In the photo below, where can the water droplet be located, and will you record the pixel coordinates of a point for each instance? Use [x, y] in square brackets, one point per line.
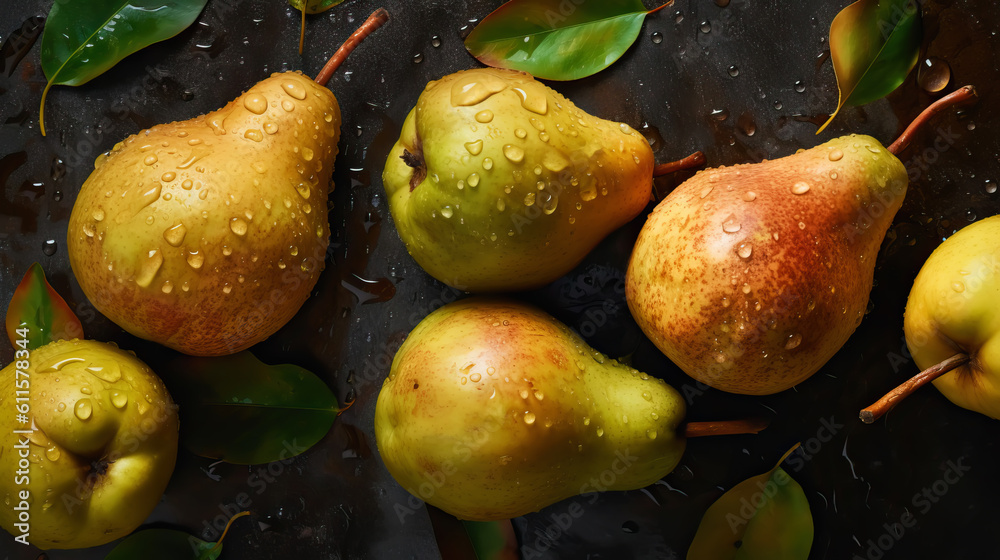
[651, 434]
[447, 212]
[149, 267]
[800, 188]
[98, 215]
[539, 395]
[253, 134]
[746, 288]
[725, 301]
[473, 180]
[793, 341]
[167, 287]
[745, 250]
[656, 37]
[175, 235]
[150, 160]
[958, 286]
[529, 199]
[295, 90]
[778, 105]
[720, 114]
[705, 27]
[600, 432]
[270, 128]
[168, 176]
[119, 399]
[485, 116]
[255, 103]
[89, 230]
[238, 225]
[195, 259]
[802, 225]
[731, 225]
[307, 154]
[418, 58]
[53, 454]
[991, 187]
[475, 377]
[474, 148]
[83, 409]
[707, 191]
[287, 105]
[513, 153]
[734, 71]
[800, 86]
[749, 196]
[49, 247]
[529, 418]
[933, 74]
[836, 155]
[435, 41]
[303, 190]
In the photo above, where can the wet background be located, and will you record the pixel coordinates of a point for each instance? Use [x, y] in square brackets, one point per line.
[739, 80]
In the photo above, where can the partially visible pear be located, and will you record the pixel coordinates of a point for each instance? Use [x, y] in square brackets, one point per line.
[751, 277]
[493, 409]
[498, 183]
[207, 235]
[952, 324]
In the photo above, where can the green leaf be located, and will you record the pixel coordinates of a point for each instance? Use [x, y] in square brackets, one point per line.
[37, 315]
[82, 39]
[492, 540]
[874, 44]
[557, 39]
[240, 410]
[163, 544]
[314, 6]
[167, 544]
[764, 517]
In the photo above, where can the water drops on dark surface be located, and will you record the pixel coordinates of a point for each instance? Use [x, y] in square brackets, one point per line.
[49, 247]
[720, 114]
[800, 86]
[652, 135]
[656, 37]
[630, 527]
[418, 58]
[970, 215]
[436, 41]
[971, 126]
[187, 95]
[58, 169]
[747, 124]
[991, 187]
[778, 105]
[705, 27]
[933, 74]
[358, 131]
[57, 196]
[734, 71]
[678, 16]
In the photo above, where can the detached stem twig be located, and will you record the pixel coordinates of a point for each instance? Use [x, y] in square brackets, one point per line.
[696, 159]
[724, 427]
[892, 398]
[373, 22]
[960, 95]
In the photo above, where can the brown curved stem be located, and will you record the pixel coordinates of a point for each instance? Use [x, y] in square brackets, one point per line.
[696, 159]
[724, 427]
[373, 22]
[892, 398]
[960, 95]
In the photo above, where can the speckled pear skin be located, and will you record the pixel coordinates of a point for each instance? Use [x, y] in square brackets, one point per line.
[751, 277]
[207, 235]
[493, 409]
[103, 447]
[509, 184]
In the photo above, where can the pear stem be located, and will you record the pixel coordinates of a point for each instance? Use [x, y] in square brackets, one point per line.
[696, 159]
[960, 95]
[892, 398]
[302, 30]
[373, 22]
[724, 427]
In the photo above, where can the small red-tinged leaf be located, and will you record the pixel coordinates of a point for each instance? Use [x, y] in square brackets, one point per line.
[37, 315]
[243, 411]
[873, 44]
[556, 39]
[765, 517]
[167, 544]
[489, 540]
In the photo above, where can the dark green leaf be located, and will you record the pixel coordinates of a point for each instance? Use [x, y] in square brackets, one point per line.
[557, 39]
[37, 315]
[164, 544]
[82, 39]
[873, 44]
[492, 540]
[766, 517]
[314, 6]
[240, 410]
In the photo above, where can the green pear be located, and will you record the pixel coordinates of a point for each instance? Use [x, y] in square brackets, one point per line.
[951, 323]
[498, 183]
[207, 235]
[751, 277]
[493, 409]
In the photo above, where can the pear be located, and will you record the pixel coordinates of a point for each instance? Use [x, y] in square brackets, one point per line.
[951, 325]
[493, 409]
[751, 277]
[498, 183]
[207, 235]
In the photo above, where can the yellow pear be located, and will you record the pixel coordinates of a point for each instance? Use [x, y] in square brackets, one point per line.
[493, 409]
[498, 183]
